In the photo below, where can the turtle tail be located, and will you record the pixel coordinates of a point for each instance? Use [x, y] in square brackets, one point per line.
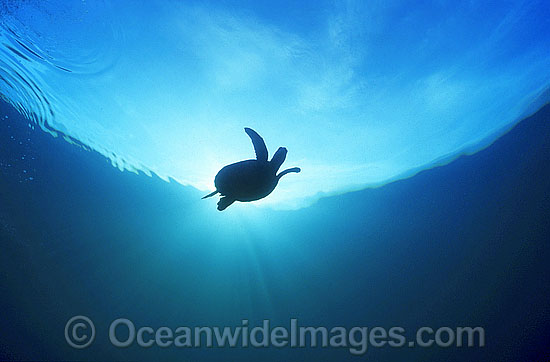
[209, 195]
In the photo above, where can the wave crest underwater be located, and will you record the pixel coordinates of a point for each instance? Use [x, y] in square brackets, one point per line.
[359, 92]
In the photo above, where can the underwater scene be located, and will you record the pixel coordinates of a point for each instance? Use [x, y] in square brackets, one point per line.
[274, 181]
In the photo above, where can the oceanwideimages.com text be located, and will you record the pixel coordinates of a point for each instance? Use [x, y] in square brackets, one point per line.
[122, 333]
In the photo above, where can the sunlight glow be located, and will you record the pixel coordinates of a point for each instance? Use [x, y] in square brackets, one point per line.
[359, 92]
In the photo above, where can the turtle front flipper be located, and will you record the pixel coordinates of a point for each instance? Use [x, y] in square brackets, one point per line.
[259, 144]
[225, 202]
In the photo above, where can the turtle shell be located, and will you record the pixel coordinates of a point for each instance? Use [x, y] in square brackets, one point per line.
[246, 180]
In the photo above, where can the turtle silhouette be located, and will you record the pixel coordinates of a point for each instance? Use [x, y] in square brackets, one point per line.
[250, 180]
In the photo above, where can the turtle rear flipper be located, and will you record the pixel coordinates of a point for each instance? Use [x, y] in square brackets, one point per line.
[225, 202]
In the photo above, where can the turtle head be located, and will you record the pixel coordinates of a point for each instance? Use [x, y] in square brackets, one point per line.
[278, 158]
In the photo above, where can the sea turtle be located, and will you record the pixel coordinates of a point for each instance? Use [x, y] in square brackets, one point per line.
[250, 180]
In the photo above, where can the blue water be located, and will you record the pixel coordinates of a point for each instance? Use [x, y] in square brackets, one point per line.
[459, 245]
[360, 93]
[423, 135]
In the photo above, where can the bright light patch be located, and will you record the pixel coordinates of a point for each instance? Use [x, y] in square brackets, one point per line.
[359, 93]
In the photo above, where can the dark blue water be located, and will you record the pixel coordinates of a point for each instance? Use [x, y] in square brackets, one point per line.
[460, 245]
